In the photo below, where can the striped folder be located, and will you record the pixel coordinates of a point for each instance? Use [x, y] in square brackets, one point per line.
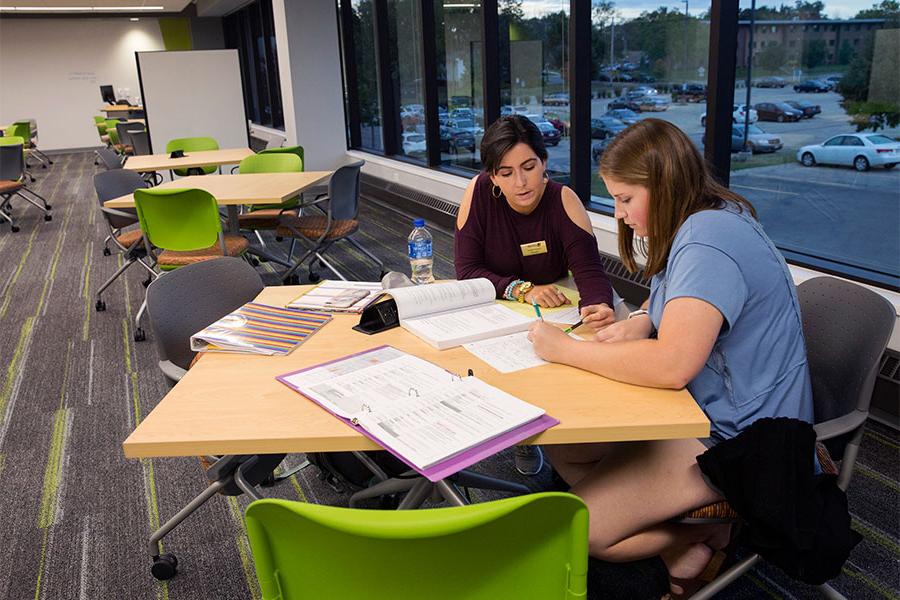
[259, 329]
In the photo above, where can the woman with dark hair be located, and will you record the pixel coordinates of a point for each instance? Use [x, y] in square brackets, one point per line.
[523, 231]
[722, 320]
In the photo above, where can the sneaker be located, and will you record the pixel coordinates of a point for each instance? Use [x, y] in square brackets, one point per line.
[529, 460]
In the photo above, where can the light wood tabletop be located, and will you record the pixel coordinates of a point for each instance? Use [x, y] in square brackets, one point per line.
[232, 190]
[232, 404]
[205, 158]
[119, 108]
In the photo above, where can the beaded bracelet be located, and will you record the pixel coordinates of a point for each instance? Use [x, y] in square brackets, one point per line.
[507, 293]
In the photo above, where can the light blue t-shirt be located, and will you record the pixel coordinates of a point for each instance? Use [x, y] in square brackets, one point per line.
[757, 367]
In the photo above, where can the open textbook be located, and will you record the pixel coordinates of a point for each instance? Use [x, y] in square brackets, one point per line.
[339, 296]
[436, 422]
[450, 314]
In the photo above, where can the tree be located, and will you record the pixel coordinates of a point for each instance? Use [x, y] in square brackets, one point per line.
[813, 53]
[846, 53]
[772, 57]
[887, 9]
[854, 85]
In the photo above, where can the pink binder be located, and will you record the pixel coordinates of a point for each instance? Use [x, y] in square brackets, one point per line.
[455, 463]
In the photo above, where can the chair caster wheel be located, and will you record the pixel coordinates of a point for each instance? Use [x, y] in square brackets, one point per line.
[140, 336]
[165, 566]
[254, 262]
[382, 274]
[48, 217]
[14, 228]
[47, 206]
[106, 252]
[292, 280]
[147, 281]
[262, 259]
[313, 277]
[43, 166]
[100, 306]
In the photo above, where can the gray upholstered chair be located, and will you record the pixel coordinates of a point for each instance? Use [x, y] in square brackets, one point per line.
[12, 181]
[179, 304]
[847, 328]
[339, 221]
[129, 242]
[111, 160]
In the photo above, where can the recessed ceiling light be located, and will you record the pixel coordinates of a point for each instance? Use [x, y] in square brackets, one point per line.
[134, 19]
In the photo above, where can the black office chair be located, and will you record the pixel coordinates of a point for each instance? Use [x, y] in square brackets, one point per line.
[12, 182]
[847, 328]
[179, 304]
[339, 221]
[111, 160]
[110, 185]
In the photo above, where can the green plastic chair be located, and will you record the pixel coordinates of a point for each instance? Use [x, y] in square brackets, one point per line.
[298, 150]
[185, 224]
[112, 133]
[533, 546]
[193, 144]
[266, 216]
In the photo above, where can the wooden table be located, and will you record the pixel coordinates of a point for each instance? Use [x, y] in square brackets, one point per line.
[112, 108]
[232, 404]
[204, 158]
[233, 191]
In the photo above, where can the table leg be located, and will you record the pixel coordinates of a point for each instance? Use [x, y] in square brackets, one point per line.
[233, 225]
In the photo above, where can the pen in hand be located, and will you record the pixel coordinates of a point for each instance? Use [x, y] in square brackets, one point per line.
[572, 327]
[537, 310]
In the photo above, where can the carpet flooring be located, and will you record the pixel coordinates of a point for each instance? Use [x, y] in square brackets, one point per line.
[75, 515]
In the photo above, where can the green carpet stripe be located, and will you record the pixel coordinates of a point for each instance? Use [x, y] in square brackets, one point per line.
[881, 439]
[294, 483]
[12, 282]
[16, 365]
[875, 475]
[52, 472]
[126, 339]
[54, 262]
[152, 501]
[40, 573]
[136, 399]
[86, 283]
[871, 583]
[876, 536]
[243, 547]
[2, 463]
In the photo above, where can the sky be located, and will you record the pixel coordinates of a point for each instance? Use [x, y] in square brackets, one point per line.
[628, 9]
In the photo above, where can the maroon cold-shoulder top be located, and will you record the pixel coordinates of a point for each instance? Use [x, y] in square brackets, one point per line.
[489, 243]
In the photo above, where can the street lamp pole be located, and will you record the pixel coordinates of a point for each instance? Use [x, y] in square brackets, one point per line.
[749, 71]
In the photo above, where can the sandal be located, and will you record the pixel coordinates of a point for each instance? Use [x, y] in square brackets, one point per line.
[689, 587]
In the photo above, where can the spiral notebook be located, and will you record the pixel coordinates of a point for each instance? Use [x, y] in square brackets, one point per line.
[259, 329]
[434, 421]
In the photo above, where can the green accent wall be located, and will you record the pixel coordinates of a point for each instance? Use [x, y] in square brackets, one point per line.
[176, 33]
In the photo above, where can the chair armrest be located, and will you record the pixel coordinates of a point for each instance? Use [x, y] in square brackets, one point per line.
[118, 213]
[171, 370]
[840, 425]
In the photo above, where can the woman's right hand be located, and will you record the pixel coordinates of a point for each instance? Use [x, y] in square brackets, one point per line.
[546, 296]
[637, 328]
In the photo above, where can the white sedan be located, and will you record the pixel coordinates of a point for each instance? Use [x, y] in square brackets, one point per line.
[859, 150]
[737, 115]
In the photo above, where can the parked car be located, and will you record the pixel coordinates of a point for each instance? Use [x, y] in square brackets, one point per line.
[558, 99]
[758, 141]
[598, 147]
[462, 113]
[777, 111]
[556, 120]
[653, 104]
[737, 115]
[455, 141]
[812, 85]
[859, 150]
[551, 135]
[624, 102]
[643, 90]
[808, 109]
[689, 92]
[644, 78]
[771, 82]
[413, 143]
[833, 80]
[603, 127]
[626, 115]
[467, 125]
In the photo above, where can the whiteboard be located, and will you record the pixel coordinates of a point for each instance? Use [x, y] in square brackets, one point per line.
[193, 93]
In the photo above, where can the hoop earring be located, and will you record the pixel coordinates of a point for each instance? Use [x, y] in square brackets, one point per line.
[496, 192]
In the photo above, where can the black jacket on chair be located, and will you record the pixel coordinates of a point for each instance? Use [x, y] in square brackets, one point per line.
[793, 518]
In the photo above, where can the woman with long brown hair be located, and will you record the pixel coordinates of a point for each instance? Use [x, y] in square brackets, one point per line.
[722, 320]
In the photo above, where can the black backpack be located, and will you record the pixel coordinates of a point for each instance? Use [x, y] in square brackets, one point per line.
[345, 473]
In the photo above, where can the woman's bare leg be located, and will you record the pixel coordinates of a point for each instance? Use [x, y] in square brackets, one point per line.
[574, 461]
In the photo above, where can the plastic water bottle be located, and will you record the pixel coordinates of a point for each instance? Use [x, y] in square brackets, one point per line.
[420, 253]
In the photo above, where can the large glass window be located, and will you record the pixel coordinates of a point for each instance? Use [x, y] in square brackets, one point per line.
[251, 31]
[533, 40]
[817, 162]
[366, 75]
[646, 63]
[459, 81]
[406, 36]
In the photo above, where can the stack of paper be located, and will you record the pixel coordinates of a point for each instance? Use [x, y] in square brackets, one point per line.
[259, 329]
[339, 296]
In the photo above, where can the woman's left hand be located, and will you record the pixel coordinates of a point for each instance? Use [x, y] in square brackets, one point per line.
[549, 342]
[598, 316]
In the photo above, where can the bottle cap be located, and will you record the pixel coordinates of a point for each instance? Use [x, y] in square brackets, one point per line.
[419, 223]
